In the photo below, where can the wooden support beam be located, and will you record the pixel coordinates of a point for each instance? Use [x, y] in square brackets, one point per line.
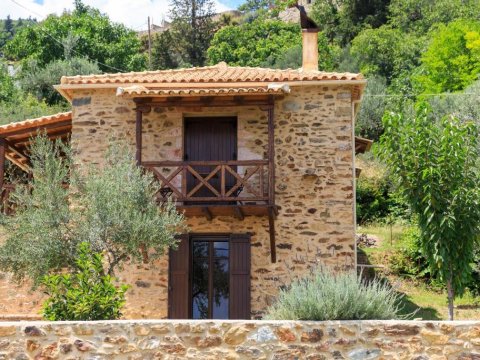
[3, 145]
[271, 231]
[238, 213]
[18, 158]
[206, 101]
[207, 213]
[271, 154]
[138, 136]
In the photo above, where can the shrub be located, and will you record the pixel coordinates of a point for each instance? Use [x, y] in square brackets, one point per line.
[326, 295]
[375, 197]
[85, 294]
[408, 258]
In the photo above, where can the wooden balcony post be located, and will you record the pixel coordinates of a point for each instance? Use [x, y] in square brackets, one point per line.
[2, 173]
[271, 155]
[271, 181]
[138, 135]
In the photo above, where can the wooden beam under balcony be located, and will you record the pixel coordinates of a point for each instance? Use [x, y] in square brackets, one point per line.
[205, 101]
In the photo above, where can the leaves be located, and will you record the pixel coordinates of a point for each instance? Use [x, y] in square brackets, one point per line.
[85, 294]
[113, 208]
[435, 165]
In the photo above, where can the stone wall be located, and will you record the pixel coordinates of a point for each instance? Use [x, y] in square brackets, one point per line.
[240, 340]
[314, 183]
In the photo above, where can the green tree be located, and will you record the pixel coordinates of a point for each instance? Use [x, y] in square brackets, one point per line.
[369, 119]
[40, 228]
[85, 294]
[164, 55]
[463, 106]
[435, 164]
[7, 86]
[419, 16]
[452, 60]
[192, 29]
[342, 20]
[8, 26]
[255, 5]
[114, 209]
[26, 106]
[263, 42]
[386, 52]
[11, 27]
[99, 39]
[39, 80]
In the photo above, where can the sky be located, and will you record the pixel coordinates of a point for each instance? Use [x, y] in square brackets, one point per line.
[132, 13]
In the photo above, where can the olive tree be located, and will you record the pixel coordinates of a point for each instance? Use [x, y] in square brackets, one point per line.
[113, 208]
[435, 163]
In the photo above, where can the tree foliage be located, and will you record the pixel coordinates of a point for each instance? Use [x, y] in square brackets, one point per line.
[113, 208]
[164, 55]
[85, 294]
[40, 228]
[386, 52]
[10, 27]
[419, 16]
[99, 39]
[342, 20]
[435, 163]
[265, 43]
[39, 80]
[368, 123]
[192, 30]
[452, 60]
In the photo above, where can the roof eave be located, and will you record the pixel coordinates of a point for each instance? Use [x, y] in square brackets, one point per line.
[65, 89]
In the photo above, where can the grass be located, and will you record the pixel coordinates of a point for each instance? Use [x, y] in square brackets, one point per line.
[426, 302]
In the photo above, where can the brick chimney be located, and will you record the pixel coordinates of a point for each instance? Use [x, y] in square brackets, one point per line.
[310, 49]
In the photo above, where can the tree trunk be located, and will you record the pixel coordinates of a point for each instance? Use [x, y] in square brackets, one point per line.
[450, 295]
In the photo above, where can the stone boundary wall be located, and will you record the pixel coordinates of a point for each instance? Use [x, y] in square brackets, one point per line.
[240, 339]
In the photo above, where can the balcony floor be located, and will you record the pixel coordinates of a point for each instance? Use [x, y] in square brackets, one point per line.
[238, 211]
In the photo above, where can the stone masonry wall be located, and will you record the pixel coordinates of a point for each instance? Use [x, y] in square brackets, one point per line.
[314, 183]
[241, 340]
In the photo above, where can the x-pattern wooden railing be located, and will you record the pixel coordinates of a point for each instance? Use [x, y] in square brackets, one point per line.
[188, 181]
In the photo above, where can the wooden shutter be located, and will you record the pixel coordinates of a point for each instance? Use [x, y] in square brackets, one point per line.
[178, 282]
[240, 276]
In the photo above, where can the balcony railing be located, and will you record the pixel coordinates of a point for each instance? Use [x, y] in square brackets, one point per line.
[239, 182]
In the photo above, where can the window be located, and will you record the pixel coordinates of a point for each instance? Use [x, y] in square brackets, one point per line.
[209, 277]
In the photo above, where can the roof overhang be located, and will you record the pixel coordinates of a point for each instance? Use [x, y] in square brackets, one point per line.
[66, 90]
[18, 135]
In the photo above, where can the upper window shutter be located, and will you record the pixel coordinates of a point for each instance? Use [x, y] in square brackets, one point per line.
[178, 294]
[240, 276]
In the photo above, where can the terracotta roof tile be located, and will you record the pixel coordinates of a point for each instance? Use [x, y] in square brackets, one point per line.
[141, 90]
[220, 73]
[35, 123]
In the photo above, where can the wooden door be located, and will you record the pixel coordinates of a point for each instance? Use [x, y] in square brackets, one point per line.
[178, 279]
[209, 277]
[210, 139]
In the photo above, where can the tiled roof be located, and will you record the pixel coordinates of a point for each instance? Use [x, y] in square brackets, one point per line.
[220, 73]
[141, 90]
[35, 123]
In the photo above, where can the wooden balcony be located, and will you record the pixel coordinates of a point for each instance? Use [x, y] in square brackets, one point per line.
[216, 188]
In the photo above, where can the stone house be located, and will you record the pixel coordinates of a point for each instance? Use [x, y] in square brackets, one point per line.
[260, 161]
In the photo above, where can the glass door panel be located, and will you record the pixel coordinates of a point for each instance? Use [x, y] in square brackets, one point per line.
[210, 279]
